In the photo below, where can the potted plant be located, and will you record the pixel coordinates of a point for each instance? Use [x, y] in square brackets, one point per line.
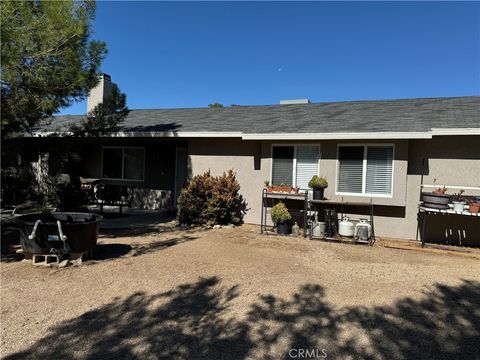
[437, 199]
[318, 184]
[440, 190]
[474, 206]
[281, 218]
[458, 201]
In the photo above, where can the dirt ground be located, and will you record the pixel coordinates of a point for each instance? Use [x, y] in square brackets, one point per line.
[231, 293]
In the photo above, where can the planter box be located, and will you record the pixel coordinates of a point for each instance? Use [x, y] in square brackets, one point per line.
[436, 201]
[282, 189]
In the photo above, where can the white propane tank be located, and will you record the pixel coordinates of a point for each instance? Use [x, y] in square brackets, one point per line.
[346, 227]
[363, 230]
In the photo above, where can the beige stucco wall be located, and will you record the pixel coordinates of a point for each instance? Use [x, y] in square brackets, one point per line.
[452, 160]
[245, 157]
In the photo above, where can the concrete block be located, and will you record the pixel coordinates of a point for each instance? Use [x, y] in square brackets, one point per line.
[45, 260]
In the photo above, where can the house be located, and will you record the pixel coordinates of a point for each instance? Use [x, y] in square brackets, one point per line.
[380, 150]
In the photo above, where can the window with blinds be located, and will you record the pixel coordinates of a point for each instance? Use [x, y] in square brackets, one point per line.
[366, 170]
[294, 165]
[378, 179]
[307, 165]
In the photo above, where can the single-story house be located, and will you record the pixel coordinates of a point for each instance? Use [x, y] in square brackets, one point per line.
[381, 150]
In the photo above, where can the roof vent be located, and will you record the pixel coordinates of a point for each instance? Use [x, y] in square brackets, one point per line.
[294, 102]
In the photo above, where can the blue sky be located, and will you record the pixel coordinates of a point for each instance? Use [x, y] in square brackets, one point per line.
[166, 55]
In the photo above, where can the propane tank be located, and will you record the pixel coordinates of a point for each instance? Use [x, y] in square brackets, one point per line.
[346, 227]
[363, 230]
[295, 229]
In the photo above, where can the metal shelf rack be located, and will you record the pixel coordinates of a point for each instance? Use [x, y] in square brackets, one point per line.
[271, 198]
[311, 208]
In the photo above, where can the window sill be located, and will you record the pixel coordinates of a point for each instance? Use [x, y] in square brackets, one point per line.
[389, 196]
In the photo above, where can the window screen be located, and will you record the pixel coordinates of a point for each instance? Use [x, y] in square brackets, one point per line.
[350, 169]
[112, 163]
[123, 163]
[282, 165]
[133, 163]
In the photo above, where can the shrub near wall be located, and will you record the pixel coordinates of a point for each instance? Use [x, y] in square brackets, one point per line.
[211, 200]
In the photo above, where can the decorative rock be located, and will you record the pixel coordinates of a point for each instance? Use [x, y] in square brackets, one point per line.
[217, 226]
[63, 263]
[229, 226]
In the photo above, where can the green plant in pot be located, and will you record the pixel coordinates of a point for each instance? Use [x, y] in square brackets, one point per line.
[281, 218]
[458, 201]
[318, 184]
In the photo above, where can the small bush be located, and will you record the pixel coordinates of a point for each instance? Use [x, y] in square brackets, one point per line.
[280, 213]
[318, 182]
[211, 200]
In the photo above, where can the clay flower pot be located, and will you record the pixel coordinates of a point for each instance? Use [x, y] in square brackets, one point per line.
[474, 207]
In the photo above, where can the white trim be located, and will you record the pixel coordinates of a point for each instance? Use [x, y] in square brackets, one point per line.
[286, 136]
[455, 131]
[123, 163]
[163, 134]
[339, 136]
[175, 134]
[364, 169]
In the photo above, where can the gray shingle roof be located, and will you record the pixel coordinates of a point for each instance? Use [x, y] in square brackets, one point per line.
[406, 115]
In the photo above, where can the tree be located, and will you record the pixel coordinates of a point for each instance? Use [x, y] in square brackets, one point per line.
[104, 118]
[47, 59]
[215, 105]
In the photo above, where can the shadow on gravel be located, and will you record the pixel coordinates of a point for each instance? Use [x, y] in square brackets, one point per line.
[194, 321]
[110, 251]
[10, 242]
[160, 245]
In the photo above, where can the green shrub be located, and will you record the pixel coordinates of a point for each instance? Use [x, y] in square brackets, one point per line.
[280, 213]
[211, 200]
[318, 182]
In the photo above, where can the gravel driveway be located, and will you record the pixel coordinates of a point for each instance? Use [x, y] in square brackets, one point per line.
[232, 293]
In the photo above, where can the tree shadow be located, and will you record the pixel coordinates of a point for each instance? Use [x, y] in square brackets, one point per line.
[109, 251]
[132, 232]
[160, 245]
[104, 252]
[443, 325]
[198, 320]
[187, 322]
[10, 242]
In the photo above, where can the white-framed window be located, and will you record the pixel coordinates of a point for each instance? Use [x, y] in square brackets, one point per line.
[123, 163]
[294, 165]
[365, 170]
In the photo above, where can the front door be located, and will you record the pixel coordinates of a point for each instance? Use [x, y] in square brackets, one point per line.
[181, 173]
